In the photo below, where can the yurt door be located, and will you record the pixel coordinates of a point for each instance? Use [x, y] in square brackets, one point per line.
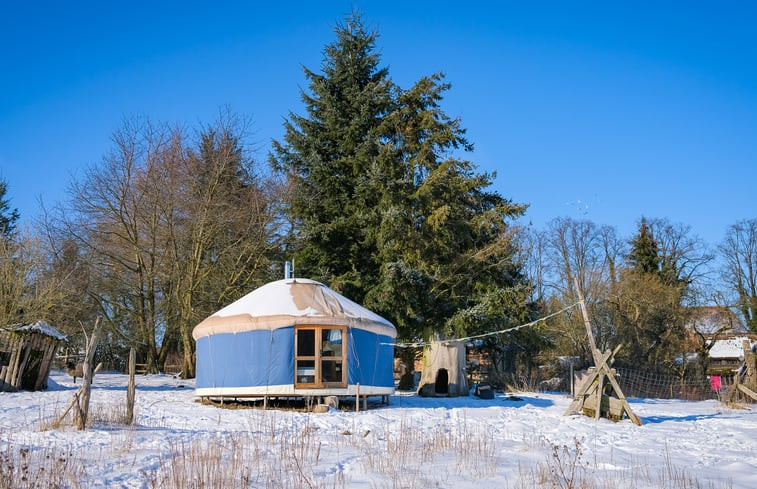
[320, 354]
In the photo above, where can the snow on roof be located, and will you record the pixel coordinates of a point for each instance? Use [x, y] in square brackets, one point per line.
[39, 327]
[711, 319]
[288, 302]
[729, 348]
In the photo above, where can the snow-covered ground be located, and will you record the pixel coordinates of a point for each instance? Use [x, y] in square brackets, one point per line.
[460, 442]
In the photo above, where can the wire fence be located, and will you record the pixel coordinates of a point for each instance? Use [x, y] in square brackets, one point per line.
[633, 382]
[638, 383]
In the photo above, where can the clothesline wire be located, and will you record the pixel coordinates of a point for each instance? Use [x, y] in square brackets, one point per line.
[419, 344]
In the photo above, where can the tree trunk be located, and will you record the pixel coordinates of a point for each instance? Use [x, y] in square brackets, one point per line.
[188, 366]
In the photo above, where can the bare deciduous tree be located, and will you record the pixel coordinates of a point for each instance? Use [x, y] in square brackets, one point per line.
[222, 240]
[24, 295]
[684, 257]
[173, 228]
[117, 218]
[582, 253]
[739, 250]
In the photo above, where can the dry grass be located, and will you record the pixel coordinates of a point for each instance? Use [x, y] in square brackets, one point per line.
[282, 449]
[267, 455]
[567, 468]
[408, 456]
[23, 467]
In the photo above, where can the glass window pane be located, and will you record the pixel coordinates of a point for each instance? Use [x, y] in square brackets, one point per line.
[331, 370]
[306, 343]
[331, 343]
[305, 371]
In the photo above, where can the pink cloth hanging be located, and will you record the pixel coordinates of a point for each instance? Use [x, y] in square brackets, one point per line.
[715, 382]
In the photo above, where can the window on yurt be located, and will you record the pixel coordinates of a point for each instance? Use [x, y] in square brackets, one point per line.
[305, 356]
[319, 356]
[332, 357]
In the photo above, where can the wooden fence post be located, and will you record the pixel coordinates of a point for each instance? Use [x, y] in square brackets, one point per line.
[130, 391]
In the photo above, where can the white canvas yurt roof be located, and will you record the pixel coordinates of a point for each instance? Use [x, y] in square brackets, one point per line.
[289, 302]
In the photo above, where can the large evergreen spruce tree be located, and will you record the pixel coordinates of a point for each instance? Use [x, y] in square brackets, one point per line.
[446, 255]
[644, 256]
[386, 211]
[8, 216]
[330, 156]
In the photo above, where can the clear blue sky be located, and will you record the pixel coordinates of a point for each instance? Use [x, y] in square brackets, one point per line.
[587, 110]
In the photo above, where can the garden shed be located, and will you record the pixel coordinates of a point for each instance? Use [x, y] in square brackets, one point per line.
[294, 338]
[26, 354]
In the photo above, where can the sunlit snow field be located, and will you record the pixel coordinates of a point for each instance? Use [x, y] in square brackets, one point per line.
[513, 441]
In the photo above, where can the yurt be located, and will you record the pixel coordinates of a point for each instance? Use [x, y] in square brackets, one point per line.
[294, 338]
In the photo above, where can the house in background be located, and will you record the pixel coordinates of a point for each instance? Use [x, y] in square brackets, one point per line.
[26, 354]
[716, 320]
[726, 354]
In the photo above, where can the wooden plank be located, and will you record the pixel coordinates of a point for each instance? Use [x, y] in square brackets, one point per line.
[15, 349]
[44, 368]
[5, 376]
[600, 388]
[579, 400]
[3, 385]
[587, 323]
[615, 408]
[595, 404]
[746, 390]
[42, 372]
[19, 373]
[751, 368]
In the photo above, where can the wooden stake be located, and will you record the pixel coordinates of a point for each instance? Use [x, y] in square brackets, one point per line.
[131, 389]
[751, 368]
[83, 411]
[587, 323]
[74, 400]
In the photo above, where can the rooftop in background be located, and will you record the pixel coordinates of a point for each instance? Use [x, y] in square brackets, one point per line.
[710, 320]
[36, 327]
[730, 347]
